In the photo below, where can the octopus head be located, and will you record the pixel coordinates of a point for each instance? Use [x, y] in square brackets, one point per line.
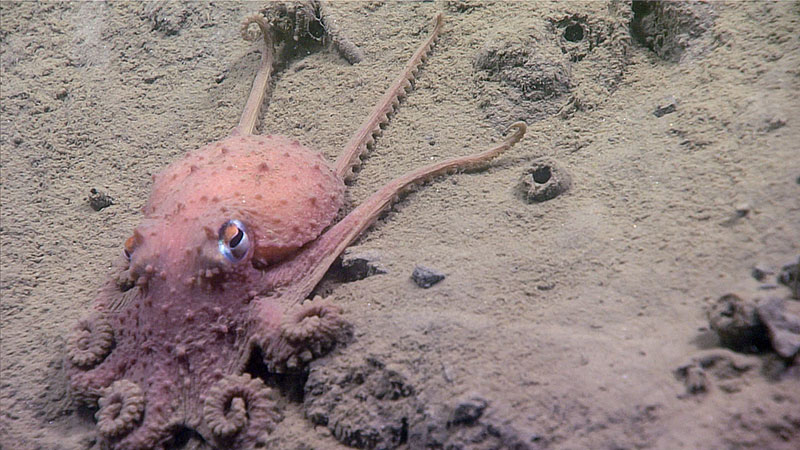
[190, 252]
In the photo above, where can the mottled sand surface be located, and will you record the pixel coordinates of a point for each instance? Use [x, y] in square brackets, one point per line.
[560, 324]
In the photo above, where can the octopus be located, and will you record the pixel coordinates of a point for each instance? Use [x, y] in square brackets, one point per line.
[235, 237]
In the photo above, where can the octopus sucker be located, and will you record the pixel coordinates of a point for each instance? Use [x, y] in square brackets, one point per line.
[239, 408]
[91, 340]
[121, 407]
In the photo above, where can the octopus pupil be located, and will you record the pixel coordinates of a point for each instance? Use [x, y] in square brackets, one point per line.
[236, 239]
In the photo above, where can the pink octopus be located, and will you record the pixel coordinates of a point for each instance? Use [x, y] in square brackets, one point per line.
[235, 237]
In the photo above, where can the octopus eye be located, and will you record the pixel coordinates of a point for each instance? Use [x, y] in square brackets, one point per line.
[127, 250]
[233, 240]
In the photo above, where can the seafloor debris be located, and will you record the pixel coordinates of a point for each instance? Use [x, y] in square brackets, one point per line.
[99, 200]
[737, 324]
[426, 277]
[667, 106]
[468, 411]
[782, 319]
[759, 325]
[543, 180]
[374, 405]
[298, 23]
[789, 276]
[724, 367]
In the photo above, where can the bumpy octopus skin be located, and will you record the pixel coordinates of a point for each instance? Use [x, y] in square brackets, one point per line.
[235, 236]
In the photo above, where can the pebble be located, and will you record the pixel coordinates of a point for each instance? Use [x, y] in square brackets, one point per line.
[425, 277]
[760, 272]
[789, 276]
[738, 326]
[99, 200]
[782, 318]
[467, 412]
[667, 106]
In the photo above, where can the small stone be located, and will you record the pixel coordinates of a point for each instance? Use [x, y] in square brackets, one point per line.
[736, 323]
[742, 209]
[782, 318]
[667, 106]
[61, 94]
[467, 412]
[789, 276]
[425, 277]
[694, 378]
[760, 272]
[99, 200]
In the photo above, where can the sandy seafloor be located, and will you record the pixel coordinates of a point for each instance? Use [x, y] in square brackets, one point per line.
[567, 318]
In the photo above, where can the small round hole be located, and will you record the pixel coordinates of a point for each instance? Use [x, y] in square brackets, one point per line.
[574, 33]
[542, 175]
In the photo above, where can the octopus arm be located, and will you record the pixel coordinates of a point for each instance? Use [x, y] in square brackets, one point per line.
[308, 329]
[302, 273]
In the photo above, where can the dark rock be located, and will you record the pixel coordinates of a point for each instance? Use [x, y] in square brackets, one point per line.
[743, 209]
[738, 326]
[760, 272]
[543, 180]
[789, 276]
[425, 277]
[99, 200]
[359, 264]
[694, 378]
[469, 411]
[782, 319]
[669, 105]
